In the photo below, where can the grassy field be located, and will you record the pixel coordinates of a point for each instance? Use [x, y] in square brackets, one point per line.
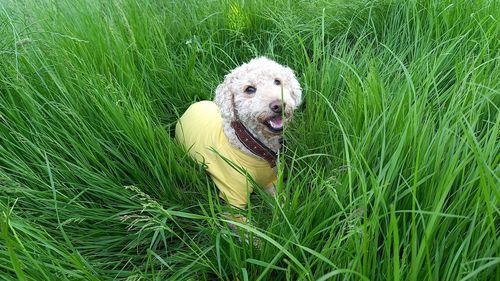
[392, 171]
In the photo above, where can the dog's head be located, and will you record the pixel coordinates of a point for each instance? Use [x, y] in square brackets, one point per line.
[262, 94]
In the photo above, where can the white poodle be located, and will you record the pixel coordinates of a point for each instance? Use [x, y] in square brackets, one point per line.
[238, 135]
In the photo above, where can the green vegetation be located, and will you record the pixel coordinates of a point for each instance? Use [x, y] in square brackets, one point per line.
[392, 171]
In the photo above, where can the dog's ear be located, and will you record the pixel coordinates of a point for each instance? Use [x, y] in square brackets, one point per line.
[224, 99]
[297, 94]
[296, 90]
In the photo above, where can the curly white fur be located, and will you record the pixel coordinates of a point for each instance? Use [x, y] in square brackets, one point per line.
[253, 109]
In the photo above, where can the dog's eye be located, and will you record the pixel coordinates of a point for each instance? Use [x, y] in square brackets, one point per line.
[250, 90]
[277, 82]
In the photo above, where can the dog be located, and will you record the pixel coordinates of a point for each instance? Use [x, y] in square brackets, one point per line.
[239, 134]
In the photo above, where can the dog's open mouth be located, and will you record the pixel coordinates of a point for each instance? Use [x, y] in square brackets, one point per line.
[275, 124]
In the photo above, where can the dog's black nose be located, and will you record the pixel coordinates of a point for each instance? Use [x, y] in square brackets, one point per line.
[276, 106]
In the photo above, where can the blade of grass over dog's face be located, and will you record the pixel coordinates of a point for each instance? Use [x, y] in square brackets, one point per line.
[391, 167]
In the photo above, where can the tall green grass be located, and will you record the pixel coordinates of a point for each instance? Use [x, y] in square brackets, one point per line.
[392, 171]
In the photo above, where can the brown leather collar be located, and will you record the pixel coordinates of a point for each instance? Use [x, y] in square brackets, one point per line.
[253, 144]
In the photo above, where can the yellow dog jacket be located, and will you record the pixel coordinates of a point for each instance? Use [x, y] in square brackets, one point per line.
[200, 131]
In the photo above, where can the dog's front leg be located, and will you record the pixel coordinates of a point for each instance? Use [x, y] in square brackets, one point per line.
[241, 234]
[271, 190]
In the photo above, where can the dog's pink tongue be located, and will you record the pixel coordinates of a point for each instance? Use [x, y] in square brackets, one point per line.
[276, 122]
